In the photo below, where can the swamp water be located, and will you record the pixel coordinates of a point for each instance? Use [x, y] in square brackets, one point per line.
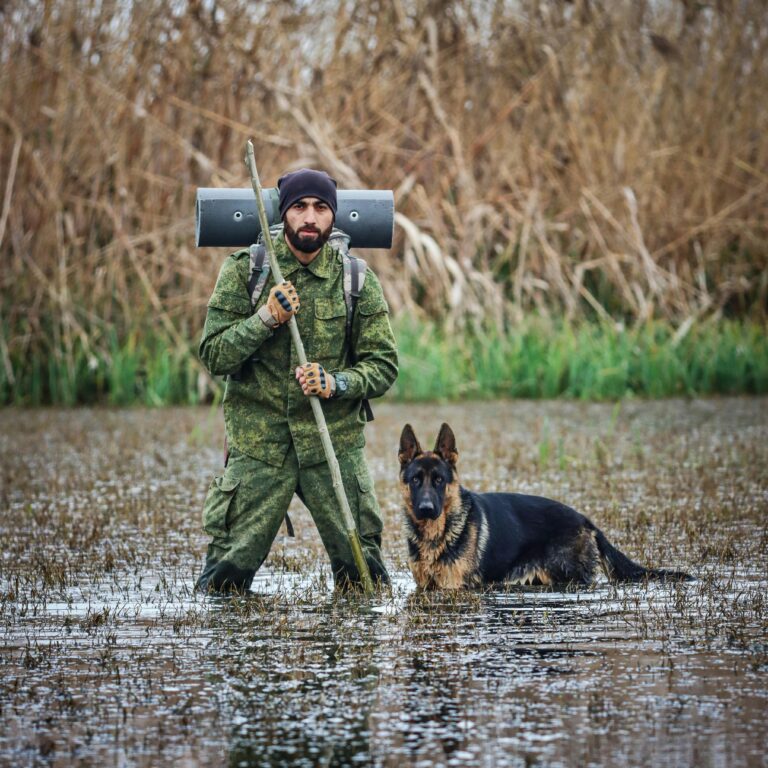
[109, 658]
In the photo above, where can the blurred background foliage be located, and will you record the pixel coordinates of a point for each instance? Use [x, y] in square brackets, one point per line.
[558, 167]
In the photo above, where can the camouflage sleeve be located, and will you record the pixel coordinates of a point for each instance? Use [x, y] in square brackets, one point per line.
[373, 344]
[231, 333]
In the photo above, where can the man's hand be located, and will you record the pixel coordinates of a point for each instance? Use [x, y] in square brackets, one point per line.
[315, 380]
[283, 302]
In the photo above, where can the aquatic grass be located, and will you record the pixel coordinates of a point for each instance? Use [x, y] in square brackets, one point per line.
[535, 359]
[584, 360]
[142, 368]
[121, 371]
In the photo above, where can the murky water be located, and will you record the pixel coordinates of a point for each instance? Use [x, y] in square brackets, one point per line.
[109, 658]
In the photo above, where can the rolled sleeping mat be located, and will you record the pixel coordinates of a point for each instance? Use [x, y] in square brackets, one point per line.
[228, 217]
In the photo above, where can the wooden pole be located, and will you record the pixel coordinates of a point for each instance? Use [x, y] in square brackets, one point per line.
[317, 410]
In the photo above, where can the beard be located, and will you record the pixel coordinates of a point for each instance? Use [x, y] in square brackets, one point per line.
[312, 241]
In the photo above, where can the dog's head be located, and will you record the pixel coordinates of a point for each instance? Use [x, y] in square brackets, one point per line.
[428, 478]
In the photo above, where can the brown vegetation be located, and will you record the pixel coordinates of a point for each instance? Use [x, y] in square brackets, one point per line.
[567, 157]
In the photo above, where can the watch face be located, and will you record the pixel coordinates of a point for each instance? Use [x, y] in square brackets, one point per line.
[341, 384]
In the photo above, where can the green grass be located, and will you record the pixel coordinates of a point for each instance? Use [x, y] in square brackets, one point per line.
[591, 361]
[540, 359]
[141, 369]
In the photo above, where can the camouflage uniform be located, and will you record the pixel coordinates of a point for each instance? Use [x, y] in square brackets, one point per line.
[275, 446]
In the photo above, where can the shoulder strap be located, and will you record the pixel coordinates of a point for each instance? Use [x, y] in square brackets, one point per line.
[354, 273]
[358, 276]
[259, 272]
[257, 277]
[354, 277]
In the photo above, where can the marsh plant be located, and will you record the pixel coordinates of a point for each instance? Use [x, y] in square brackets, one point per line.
[580, 160]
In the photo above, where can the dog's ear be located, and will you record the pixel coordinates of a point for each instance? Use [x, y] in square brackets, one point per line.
[409, 446]
[445, 445]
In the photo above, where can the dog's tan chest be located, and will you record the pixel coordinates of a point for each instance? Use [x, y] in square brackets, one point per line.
[431, 572]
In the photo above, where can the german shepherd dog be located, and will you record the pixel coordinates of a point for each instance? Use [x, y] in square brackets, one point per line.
[458, 538]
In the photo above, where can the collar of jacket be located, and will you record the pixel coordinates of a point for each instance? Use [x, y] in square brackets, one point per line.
[320, 266]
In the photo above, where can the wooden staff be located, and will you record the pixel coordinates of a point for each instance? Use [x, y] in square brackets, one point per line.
[330, 454]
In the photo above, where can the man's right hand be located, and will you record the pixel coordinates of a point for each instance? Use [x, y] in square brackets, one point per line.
[283, 302]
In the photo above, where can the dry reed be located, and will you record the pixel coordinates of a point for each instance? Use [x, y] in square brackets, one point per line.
[567, 158]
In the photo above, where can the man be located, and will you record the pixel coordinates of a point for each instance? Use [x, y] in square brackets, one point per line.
[274, 443]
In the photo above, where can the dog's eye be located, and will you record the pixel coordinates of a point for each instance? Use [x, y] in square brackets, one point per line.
[438, 480]
[416, 480]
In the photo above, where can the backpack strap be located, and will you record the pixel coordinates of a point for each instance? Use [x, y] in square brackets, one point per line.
[354, 277]
[259, 272]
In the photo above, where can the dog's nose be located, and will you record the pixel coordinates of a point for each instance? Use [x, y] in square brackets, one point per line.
[427, 509]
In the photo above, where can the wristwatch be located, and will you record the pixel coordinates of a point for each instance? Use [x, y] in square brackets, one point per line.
[341, 385]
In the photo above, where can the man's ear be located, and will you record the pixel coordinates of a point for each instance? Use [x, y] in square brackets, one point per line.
[409, 446]
[445, 445]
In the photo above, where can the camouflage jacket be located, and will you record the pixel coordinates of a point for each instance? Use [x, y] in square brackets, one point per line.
[264, 408]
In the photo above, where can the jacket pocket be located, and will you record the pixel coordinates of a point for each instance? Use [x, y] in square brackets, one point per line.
[329, 329]
[218, 503]
[328, 309]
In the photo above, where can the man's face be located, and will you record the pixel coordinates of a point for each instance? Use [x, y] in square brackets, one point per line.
[308, 224]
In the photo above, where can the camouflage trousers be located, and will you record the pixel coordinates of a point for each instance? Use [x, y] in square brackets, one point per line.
[245, 507]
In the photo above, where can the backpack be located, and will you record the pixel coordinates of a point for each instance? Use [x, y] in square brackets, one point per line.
[353, 280]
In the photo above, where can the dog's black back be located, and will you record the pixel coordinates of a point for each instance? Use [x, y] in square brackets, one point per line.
[533, 532]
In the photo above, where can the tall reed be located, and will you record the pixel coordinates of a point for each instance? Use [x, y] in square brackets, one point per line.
[584, 160]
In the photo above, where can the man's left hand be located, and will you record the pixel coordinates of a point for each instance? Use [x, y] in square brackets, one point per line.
[315, 380]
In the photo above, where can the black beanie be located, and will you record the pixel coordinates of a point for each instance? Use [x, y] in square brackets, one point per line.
[306, 183]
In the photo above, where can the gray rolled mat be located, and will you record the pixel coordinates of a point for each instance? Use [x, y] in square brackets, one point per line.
[228, 217]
